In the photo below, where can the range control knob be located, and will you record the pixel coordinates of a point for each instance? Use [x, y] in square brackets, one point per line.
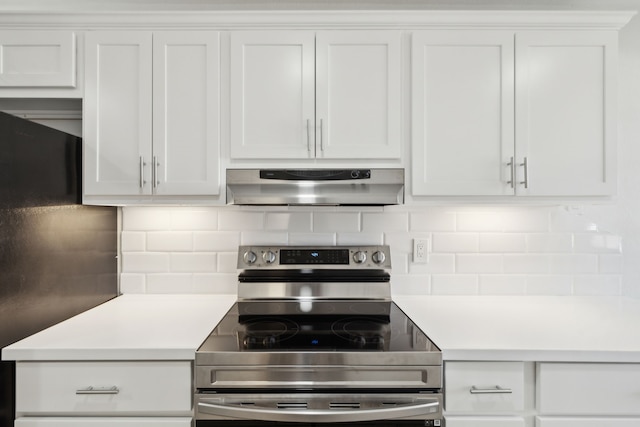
[250, 257]
[359, 257]
[269, 257]
[378, 257]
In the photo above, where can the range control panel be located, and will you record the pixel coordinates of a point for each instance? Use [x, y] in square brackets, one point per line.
[326, 257]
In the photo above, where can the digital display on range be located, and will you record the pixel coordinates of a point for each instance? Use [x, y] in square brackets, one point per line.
[317, 256]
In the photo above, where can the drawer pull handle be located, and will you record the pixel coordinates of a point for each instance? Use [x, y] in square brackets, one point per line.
[496, 390]
[98, 390]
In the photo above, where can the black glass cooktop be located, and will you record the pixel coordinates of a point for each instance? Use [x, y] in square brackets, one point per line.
[311, 325]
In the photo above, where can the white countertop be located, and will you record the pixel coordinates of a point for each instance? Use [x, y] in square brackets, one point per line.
[572, 329]
[172, 327]
[129, 327]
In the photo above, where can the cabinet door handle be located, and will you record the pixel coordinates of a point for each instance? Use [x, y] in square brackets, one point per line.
[142, 164]
[155, 172]
[308, 137]
[512, 170]
[496, 390]
[525, 164]
[321, 137]
[99, 390]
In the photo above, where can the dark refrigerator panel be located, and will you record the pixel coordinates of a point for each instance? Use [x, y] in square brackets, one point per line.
[57, 257]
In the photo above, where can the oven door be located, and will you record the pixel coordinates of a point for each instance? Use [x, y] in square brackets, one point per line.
[311, 408]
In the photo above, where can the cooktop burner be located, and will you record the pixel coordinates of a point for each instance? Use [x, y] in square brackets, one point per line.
[305, 325]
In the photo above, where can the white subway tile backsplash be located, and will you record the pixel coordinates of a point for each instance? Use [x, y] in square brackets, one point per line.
[433, 220]
[170, 241]
[335, 222]
[312, 239]
[193, 263]
[559, 285]
[610, 264]
[373, 238]
[527, 263]
[238, 220]
[216, 241]
[456, 242]
[132, 283]
[145, 262]
[288, 221]
[475, 250]
[454, 284]
[550, 242]
[593, 285]
[200, 219]
[503, 242]
[479, 263]
[389, 222]
[133, 241]
[574, 264]
[597, 243]
[170, 283]
[497, 284]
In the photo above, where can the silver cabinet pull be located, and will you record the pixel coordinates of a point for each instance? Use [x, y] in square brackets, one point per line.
[321, 137]
[525, 164]
[156, 181]
[512, 170]
[98, 390]
[308, 138]
[496, 390]
[142, 164]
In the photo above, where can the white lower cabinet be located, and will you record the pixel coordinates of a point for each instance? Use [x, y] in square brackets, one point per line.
[589, 389]
[104, 393]
[479, 394]
[456, 421]
[103, 422]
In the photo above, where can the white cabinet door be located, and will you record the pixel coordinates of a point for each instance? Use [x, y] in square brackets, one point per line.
[566, 112]
[484, 421]
[37, 59]
[586, 422]
[569, 389]
[185, 113]
[117, 113]
[272, 94]
[463, 113]
[103, 422]
[358, 94]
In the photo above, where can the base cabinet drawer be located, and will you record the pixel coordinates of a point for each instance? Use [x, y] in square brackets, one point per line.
[103, 422]
[485, 422]
[589, 389]
[586, 422]
[156, 388]
[484, 387]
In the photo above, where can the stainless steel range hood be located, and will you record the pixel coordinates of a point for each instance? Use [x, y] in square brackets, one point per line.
[315, 186]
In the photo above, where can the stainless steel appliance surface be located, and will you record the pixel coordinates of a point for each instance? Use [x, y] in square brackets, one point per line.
[315, 338]
[315, 186]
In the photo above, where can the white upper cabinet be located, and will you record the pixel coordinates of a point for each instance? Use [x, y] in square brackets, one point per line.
[151, 114]
[558, 141]
[272, 94]
[305, 95]
[117, 113]
[463, 114]
[566, 112]
[37, 59]
[186, 148]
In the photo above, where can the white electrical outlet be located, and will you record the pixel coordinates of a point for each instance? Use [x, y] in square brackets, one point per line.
[421, 251]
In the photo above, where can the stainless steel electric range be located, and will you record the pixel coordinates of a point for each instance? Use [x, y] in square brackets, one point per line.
[315, 338]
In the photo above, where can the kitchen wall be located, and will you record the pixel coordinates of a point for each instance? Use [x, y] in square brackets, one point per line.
[577, 247]
[475, 250]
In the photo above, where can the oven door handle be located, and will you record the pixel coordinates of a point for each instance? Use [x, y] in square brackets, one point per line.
[420, 406]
